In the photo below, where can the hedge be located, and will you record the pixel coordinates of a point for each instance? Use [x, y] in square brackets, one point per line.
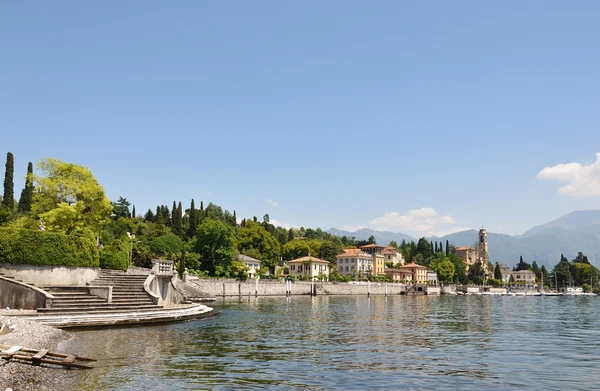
[114, 256]
[39, 248]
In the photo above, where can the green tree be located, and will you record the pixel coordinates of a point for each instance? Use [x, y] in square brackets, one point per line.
[255, 236]
[394, 244]
[27, 192]
[216, 243]
[424, 248]
[497, 272]
[295, 249]
[121, 208]
[444, 269]
[544, 275]
[193, 227]
[329, 250]
[522, 265]
[536, 270]
[561, 273]
[447, 248]
[476, 273]
[68, 197]
[371, 240]
[8, 200]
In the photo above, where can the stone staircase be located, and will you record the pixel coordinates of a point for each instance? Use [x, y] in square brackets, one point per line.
[128, 295]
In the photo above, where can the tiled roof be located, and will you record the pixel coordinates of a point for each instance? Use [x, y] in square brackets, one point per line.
[245, 258]
[353, 252]
[307, 258]
[412, 266]
[463, 248]
[371, 246]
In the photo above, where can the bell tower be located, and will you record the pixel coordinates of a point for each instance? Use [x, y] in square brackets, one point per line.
[483, 247]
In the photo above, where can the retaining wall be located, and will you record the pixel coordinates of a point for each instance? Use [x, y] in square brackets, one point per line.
[20, 296]
[51, 275]
[230, 287]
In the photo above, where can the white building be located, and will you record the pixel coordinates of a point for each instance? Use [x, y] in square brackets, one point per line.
[353, 261]
[309, 266]
[252, 264]
[392, 254]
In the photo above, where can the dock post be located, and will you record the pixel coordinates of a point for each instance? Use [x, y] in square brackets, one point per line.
[256, 288]
[385, 284]
[369, 288]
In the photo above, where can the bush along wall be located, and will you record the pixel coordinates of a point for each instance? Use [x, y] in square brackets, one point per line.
[115, 256]
[31, 247]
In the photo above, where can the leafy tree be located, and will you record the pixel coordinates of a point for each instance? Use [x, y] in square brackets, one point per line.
[149, 216]
[254, 236]
[121, 208]
[544, 275]
[216, 243]
[580, 258]
[476, 273]
[497, 272]
[9, 185]
[561, 272]
[522, 265]
[536, 270]
[444, 269]
[329, 250]
[394, 244]
[424, 248]
[27, 192]
[371, 240]
[295, 249]
[69, 197]
[169, 245]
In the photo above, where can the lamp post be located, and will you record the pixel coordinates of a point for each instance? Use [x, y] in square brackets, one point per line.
[131, 241]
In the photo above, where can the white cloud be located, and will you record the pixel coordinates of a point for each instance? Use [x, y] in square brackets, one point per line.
[282, 224]
[424, 221]
[272, 202]
[582, 180]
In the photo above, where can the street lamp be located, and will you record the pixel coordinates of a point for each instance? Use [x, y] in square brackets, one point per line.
[131, 241]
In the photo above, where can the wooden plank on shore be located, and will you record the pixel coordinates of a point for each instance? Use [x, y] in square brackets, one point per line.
[69, 359]
[40, 354]
[12, 350]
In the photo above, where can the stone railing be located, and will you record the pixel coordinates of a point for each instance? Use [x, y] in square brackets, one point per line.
[162, 267]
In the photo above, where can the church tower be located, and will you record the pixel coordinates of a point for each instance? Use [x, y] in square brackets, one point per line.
[484, 253]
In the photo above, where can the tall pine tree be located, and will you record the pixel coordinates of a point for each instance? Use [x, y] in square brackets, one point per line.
[9, 186]
[27, 192]
[447, 248]
[193, 220]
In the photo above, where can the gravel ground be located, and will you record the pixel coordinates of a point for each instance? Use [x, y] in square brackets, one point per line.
[23, 375]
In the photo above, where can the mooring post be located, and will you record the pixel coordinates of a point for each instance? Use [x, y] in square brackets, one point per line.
[312, 287]
[256, 288]
[385, 284]
[369, 288]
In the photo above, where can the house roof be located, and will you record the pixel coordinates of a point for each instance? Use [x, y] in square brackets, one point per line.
[371, 246]
[412, 266]
[463, 248]
[245, 258]
[390, 250]
[353, 252]
[308, 258]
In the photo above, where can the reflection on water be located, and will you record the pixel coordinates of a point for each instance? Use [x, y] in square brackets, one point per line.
[355, 342]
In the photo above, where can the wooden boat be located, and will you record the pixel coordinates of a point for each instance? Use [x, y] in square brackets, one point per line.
[43, 356]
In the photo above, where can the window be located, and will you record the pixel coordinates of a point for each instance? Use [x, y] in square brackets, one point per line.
[346, 268]
[293, 267]
[341, 268]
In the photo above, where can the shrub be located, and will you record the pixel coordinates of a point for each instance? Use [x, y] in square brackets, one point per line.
[114, 256]
[39, 248]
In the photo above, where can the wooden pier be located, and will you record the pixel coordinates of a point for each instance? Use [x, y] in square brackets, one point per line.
[43, 356]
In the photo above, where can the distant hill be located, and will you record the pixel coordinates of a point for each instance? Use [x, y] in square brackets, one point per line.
[381, 237]
[577, 231]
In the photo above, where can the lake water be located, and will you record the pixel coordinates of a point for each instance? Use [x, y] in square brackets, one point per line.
[353, 342]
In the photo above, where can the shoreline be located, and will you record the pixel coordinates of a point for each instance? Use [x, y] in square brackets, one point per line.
[24, 376]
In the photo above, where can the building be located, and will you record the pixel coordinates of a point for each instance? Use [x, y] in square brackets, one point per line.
[252, 264]
[312, 267]
[470, 256]
[506, 273]
[353, 261]
[393, 255]
[525, 277]
[376, 252]
[417, 274]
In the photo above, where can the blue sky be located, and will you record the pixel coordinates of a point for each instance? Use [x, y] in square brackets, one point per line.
[416, 117]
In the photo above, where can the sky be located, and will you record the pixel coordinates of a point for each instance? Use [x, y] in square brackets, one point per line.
[416, 117]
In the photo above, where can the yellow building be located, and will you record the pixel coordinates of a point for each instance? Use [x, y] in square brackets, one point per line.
[309, 266]
[418, 274]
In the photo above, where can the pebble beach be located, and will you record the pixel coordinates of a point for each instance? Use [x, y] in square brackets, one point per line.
[18, 375]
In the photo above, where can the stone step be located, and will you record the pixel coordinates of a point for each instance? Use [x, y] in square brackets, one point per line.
[72, 299]
[77, 304]
[96, 308]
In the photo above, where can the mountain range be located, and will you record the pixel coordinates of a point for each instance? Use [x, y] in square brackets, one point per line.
[574, 232]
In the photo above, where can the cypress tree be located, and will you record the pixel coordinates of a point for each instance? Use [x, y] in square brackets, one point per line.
[447, 248]
[149, 216]
[27, 192]
[9, 185]
[436, 248]
[291, 235]
[133, 211]
[201, 205]
[497, 272]
[441, 247]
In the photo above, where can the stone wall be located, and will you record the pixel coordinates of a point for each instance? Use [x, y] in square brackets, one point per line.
[20, 296]
[230, 287]
[43, 276]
